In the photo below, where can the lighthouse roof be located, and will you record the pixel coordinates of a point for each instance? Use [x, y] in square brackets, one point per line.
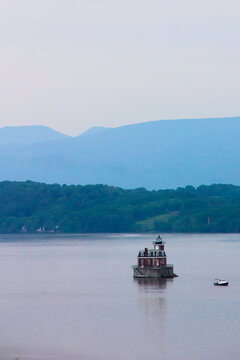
[159, 240]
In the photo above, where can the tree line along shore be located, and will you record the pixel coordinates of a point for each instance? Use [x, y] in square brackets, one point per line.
[37, 207]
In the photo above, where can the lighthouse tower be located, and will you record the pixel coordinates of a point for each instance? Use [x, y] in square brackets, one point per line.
[161, 258]
[153, 262]
[154, 257]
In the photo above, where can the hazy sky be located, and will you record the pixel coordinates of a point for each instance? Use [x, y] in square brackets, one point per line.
[74, 64]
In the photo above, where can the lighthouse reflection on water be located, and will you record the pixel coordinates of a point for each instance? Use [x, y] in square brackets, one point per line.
[153, 306]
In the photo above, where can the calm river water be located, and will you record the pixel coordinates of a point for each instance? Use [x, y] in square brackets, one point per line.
[73, 297]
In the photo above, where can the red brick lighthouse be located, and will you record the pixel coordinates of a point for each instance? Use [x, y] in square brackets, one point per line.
[153, 262]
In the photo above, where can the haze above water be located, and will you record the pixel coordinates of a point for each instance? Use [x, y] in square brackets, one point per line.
[73, 297]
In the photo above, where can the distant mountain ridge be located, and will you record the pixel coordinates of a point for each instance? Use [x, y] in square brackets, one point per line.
[24, 135]
[156, 155]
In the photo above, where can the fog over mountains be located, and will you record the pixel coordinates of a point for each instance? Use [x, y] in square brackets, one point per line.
[156, 154]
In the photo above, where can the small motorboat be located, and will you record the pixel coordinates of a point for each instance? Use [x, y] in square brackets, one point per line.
[220, 282]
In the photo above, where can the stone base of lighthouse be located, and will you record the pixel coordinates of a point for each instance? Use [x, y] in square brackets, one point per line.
[153, 272]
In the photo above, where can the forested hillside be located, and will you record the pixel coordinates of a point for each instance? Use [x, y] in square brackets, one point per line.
[29, 206]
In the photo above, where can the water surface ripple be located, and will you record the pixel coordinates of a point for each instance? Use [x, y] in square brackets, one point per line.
[73, 297]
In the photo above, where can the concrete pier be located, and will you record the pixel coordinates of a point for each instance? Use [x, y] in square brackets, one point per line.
[153, 272]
